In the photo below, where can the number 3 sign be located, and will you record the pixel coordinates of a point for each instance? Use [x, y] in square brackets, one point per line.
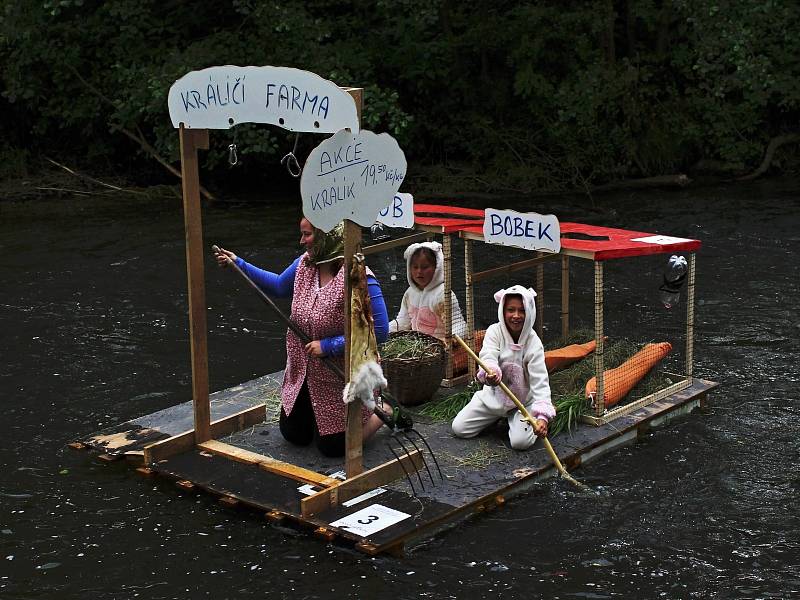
[370, 519]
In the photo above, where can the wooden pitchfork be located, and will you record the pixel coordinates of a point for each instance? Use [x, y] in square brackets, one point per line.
[527, 416]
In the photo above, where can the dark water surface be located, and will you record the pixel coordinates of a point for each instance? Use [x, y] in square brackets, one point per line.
[94, 332]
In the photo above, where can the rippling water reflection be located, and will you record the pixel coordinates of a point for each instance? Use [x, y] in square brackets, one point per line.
[94, 328]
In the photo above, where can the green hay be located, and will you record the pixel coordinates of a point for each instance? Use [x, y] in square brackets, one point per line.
[273, 403]
[569, 409]
[481, 456]
[409, 347]
[446, 409]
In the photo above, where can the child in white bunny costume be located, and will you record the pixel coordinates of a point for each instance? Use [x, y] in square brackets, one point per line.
[423, 305]
[515, 355]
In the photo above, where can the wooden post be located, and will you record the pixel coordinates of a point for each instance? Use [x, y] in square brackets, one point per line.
[447, 251]
[470, 305]
[354, 433]
[690, 318]
[191, 141]
[564, 298]
[540, 298]
[598, 337]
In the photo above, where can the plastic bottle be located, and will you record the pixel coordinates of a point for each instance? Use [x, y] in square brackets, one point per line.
[674, 276]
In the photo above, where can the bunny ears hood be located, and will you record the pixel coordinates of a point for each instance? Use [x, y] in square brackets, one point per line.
[438, 275]
[528, 302]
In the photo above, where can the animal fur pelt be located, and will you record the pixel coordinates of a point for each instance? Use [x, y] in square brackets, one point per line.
[367, 379]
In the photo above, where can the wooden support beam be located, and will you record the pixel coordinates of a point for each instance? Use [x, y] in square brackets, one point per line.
[275, 516]
[326, 534]
[505, 269]
[470, 298]
[360, 484]
[109, 457]
[193, 140]
[183, 442]
[564, 298]
[367, 548]
[268, 463]
[388, 245]
[228, 501]
[539, 300]
[354, 433]
[599, 338]
[690, 317]
[447, 267]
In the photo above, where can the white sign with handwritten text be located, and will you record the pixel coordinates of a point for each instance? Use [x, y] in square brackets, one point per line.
[351, 176]
[221, 97]
[530, 231]
[399, 213]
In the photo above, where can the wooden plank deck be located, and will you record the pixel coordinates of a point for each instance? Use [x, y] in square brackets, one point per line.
[478, 474]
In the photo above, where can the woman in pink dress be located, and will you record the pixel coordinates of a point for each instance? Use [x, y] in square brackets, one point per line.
[312, 409]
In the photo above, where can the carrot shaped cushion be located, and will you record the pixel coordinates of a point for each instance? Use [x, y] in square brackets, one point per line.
[621, 380]
[561, 358]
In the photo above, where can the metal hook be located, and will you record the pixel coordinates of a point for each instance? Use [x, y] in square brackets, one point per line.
[290, 161]
[233, 158]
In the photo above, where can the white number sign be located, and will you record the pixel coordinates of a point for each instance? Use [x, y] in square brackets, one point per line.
[531, 231]
[351, 176]
[221, 97]
[370, 519]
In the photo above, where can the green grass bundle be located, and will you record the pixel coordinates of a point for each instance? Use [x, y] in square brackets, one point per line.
[406, 347]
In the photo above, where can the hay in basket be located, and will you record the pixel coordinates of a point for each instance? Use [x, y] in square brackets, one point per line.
[413, 363]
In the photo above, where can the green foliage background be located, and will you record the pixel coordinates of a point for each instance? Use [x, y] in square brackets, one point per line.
[552, 95]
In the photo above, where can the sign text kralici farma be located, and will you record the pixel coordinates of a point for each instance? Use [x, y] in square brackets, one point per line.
[224, 96]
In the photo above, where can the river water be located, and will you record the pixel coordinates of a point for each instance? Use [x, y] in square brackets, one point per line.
[94, 332]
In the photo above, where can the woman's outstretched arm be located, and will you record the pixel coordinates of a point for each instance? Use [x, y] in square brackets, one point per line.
[334, 346]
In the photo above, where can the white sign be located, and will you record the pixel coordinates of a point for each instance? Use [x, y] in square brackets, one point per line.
[371, 519]
[362, 497]
[221, 97]
[351, 176]
[531, 231]
[399, 213]
[307, 489]
[663, 240]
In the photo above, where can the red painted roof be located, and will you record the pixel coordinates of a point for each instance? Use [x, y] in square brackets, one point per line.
[441, 209]
[601, 243]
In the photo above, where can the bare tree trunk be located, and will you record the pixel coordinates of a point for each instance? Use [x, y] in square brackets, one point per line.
[139, 139]
[662, 41]
[630, 28]
[774, 144]
[608, 35]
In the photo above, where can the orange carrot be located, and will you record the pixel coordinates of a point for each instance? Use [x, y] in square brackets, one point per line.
[560, 358]
[618, 382]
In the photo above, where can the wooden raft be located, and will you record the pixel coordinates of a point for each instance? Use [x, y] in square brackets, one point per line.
[256, 468]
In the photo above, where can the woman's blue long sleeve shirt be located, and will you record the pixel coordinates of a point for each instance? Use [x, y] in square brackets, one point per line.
[282, 285]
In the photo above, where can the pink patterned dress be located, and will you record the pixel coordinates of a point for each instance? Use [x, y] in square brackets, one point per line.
[320, 313]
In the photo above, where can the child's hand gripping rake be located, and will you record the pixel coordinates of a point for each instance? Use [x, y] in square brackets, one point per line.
[527, 416]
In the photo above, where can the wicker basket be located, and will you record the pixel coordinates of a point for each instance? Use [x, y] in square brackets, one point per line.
[413, 381]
